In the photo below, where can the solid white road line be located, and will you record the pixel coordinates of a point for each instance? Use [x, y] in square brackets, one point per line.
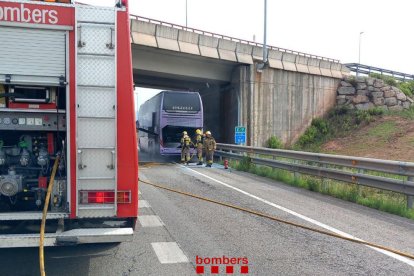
[315, 222]
[150, 221]
[143, 204]
[169, 253]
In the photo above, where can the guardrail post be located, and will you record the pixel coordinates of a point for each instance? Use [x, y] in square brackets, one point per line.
[324, 180]
[296, 174]
[410, 198]
[361, 171]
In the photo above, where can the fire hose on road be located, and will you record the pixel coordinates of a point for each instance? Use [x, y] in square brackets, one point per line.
[323, 232]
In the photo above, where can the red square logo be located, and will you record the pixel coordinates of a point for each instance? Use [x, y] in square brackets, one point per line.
[199, 269]
[214, 269]
[229, 269]
[244, 269]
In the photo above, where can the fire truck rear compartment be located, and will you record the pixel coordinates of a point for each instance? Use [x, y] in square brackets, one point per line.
[30, 140]
[33, 94]
[26, 159]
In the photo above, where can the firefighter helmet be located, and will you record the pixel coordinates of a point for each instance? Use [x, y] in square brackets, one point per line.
[198, 131]
[208, 132]
[184, 132]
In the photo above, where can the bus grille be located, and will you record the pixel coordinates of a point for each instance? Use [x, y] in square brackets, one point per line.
[186, 122]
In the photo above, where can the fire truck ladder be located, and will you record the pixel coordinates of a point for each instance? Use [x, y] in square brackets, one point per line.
[96, 107]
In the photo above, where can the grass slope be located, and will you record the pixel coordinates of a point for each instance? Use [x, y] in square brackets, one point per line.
[373, 134]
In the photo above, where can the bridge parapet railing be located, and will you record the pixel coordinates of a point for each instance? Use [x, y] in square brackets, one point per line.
[367, 70]
[226, 37]
[396, 176]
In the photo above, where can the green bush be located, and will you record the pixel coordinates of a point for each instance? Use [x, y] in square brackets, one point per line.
[376, 76]
[362, 116]
[274, 143]
[244, 164]
[317, 132]
[337, 123]
[387, 79]
[407, 87]
[314, 185]
[321, 125]
[308, 137]
[409, 113]
[338, 111]
[390, 81]
[376, 111]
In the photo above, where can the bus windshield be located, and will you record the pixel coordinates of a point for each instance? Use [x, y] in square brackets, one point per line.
[181, 102]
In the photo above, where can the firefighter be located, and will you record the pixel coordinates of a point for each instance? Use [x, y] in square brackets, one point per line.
[185, 148]
[199, 144]
[209, 146]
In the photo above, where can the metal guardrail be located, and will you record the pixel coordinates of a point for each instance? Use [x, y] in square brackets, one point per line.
[338, 167]
[244, 41]
[366, 70]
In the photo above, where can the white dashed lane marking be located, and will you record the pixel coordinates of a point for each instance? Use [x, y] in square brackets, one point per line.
[143, 204]
[166, 252]
[150, 221]
[169, 253]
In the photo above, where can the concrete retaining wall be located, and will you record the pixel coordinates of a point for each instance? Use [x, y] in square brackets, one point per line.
[282, 103]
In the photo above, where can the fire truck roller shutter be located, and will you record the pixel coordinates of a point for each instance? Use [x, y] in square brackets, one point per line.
[32, 56]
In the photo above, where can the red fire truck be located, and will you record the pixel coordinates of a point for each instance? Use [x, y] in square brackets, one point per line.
[66, 93]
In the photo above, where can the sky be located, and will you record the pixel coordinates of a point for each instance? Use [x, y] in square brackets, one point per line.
[321, 27]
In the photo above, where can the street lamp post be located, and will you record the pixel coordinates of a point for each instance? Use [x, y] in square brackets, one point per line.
[186, 13]
[359, 52]
[265, 33]
[261, 66]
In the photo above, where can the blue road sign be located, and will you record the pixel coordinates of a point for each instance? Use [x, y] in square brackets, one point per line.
[240, 135]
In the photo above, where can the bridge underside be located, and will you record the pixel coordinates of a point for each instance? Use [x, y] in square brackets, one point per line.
[272, 102]
[161, 69]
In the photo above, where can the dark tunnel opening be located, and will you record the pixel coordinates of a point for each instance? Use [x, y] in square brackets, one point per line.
[219, 100]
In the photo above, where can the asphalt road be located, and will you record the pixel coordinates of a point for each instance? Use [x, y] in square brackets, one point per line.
[174, 230]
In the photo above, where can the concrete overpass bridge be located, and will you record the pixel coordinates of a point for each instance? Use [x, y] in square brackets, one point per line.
[280, 100]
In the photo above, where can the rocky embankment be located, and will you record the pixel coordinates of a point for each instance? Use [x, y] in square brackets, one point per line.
[368, 93]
